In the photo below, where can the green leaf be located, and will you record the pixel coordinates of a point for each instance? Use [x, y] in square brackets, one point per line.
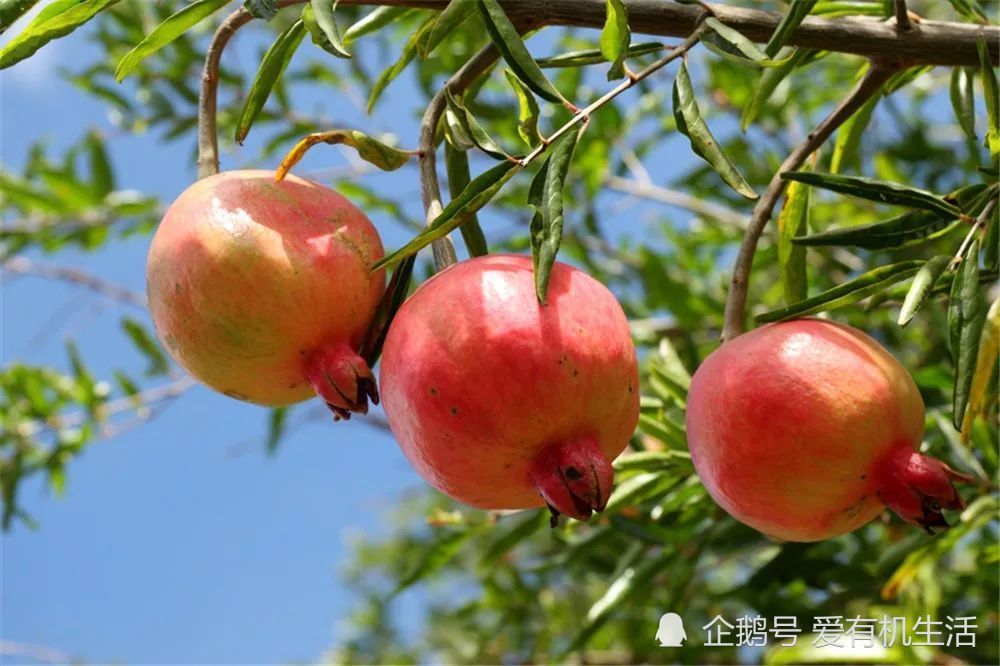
[847, 144]
[966, 315]
[405, 58]
[692, 125]
[991, 92]
[922, 287]
[651, 461]
[322, 26]
[392, 300]
[271, 68]
[970, 9]
[102, 180]
[508, 41]
[144, 342]
[452, 16]
[850, 292]
[963, 100]
[371, 150]
[373, 21]
[479, 192]
[991, 241]
[546, 197]
[473, 130]
[434, 557]
[276, 428]
[262, 9]
[595, 56]
[11, 10]
[986, 364]
[891, 233]
[527, 114]
[792, 221]
[771, 78]
[521, 526]
[730, 43]
[64, 18]
[876, 190]
[615, 38]
[457, 165]
[797, 12]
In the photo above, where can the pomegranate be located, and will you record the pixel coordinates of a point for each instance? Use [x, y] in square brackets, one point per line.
[505, 403]
[261, 289]
[808, 429]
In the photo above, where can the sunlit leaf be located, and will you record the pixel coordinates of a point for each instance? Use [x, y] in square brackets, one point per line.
[64, 18]
[447, 21]
[272, 66]
[527, 115]
[508, 41]
[371, 150]
[473, 130]
[319, 20]
[615, 38]
[922, 287]
[792, 221]
[405, 58]
[963, 100]
[546, 197]
[876, 190]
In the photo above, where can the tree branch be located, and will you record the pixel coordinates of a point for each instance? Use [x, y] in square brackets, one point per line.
[869, 85]
[902, 16]
[430, 189]
[935, 43]
[25, 266]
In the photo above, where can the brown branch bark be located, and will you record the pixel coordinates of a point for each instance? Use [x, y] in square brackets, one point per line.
[931, 43]
[869, 85]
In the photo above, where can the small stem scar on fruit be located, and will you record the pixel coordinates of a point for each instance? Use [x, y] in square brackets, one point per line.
[877, 75]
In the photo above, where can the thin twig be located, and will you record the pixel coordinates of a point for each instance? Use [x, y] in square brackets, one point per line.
[979, 225]
[878, 73]
[674, 198]
[25, 266]
[430, 188]
[628, 83]
[902, 16]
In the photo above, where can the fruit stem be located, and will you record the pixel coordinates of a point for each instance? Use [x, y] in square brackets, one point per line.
[918, 487]
[342, 379]
[574, 477]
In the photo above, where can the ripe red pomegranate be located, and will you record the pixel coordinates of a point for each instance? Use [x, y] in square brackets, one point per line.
[261, 290]
[808, 429]
[503, 403]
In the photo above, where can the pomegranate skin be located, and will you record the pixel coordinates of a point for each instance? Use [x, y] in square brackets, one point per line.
[262, 291]
[503, 403]
[807, 429]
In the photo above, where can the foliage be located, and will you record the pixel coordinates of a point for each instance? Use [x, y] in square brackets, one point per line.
[899, 212]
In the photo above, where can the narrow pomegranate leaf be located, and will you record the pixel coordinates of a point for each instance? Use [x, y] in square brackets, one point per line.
[986, 363]
[371, 150]
[521, 526]
[693, 126]
[661, 428]
[170, 29]
[527, 114]
[374, 21]
[546, 197]
[652, 461]
[262, 9]
[452, 16]
[595, 56]
[276, 421]
[147, 345]
[637, 488]
[11, 10]
[734, 45]
[963, 100]
[966, 315]
[393, 298]
[457, 166]
[991, 93]
[876, 190]
[991, 242]
[405, 58]
[473, 130]
[771, 78]
[508, 41]
[885, 234]
[922, 287]
[797, 12]
[322, 26]
[792, 221]
[615, 38]
[59, 20]
[454, 132]
[861, 287]
[848, 141]
[479, 192]
[434, 556]
[272, 66]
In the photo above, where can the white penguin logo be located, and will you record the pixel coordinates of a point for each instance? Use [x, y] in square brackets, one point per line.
[671, 630]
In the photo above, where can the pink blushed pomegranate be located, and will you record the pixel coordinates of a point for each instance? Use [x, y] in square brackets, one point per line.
[261, 289]
[808, 429]
[505, 403]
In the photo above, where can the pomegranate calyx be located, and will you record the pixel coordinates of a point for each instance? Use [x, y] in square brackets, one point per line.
[342, 379]
[918, 488]
[574, 478]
